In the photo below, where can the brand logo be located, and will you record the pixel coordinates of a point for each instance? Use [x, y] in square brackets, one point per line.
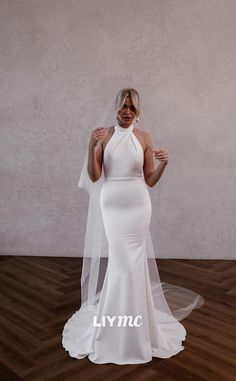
[119, 321]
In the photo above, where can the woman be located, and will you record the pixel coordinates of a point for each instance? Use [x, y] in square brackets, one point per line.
[131, 321]
[126, 115]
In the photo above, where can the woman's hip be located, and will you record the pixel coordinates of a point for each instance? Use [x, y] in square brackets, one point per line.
[124, 194]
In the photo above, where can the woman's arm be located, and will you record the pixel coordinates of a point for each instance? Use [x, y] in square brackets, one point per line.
[153, 176]
[95, 154]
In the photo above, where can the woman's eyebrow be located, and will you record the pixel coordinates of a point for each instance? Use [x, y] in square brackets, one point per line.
[125, 104]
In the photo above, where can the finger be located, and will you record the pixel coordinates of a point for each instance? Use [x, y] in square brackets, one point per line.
[162, 158]
[97, 131]
[99, 135]
[159, 155]
[100, 132]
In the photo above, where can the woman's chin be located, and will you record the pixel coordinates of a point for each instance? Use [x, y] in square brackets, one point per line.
[127, 122]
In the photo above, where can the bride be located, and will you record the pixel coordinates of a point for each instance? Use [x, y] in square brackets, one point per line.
[127, 315]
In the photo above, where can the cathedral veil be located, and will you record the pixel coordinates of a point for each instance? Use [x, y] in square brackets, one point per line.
[168, 298]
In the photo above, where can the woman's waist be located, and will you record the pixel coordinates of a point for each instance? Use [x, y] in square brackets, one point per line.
[120, 178]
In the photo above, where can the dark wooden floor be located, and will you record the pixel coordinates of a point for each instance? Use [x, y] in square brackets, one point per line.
[39, 294]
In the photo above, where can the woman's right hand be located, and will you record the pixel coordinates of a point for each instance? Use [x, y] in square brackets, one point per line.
[97, 136]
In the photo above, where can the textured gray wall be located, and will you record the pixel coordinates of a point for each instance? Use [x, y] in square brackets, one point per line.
[59, 62]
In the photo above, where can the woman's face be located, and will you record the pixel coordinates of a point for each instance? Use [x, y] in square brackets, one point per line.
[127, 113]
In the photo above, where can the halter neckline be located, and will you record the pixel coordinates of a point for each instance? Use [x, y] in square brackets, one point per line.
[124, 129]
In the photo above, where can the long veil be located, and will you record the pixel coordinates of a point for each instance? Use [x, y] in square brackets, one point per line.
[168, 298]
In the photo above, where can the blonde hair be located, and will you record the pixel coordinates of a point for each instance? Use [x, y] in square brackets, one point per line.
[132, 93]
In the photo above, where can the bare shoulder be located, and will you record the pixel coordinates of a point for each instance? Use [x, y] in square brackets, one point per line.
[109, 129]
[138, 130]
[142, 132]
[108, 133]
[145, 135]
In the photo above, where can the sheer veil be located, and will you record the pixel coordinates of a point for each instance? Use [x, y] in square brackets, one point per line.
[168, 298]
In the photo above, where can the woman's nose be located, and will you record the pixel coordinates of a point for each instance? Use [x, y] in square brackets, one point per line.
[127, 110]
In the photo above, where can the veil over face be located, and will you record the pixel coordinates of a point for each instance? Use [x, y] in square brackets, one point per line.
[168, 298]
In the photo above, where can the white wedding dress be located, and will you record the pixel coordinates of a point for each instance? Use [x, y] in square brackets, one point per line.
[126, 291]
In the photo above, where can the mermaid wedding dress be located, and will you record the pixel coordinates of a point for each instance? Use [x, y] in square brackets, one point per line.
[128, 328]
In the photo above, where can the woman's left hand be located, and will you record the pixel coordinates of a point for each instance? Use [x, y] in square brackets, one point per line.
[162, 155]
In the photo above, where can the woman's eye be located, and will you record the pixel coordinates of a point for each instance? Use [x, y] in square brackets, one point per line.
[132, 108]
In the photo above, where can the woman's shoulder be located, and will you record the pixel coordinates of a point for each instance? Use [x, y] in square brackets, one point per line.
[108, 135]
[146, 137]
[144, 133]
[109, 129]
[106, 128]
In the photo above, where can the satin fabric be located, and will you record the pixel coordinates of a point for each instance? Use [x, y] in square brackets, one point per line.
[126, 211]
